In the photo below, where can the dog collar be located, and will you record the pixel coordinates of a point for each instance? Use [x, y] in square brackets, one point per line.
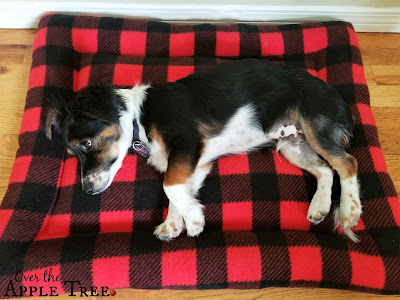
[137, 145]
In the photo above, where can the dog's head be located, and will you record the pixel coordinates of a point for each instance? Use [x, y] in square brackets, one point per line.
[90, 127]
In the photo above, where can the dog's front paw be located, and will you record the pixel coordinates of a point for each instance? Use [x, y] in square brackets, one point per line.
[194, 221]
[168, 230]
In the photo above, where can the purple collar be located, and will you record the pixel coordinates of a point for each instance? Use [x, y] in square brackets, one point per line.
[140, 149]
[137, 144]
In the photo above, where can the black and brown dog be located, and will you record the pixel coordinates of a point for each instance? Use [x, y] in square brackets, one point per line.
[230, 108]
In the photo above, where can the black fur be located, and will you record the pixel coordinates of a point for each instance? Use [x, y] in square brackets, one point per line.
[213, 95]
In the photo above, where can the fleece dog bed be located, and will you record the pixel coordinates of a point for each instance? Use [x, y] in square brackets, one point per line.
[256, 235]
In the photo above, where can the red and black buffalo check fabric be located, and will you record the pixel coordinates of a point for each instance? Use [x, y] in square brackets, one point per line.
[257, 234]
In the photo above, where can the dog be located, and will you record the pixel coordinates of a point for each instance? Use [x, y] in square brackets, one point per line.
[233, 107]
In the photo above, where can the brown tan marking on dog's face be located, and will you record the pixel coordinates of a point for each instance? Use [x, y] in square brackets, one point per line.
[106, 143]
[96, 155]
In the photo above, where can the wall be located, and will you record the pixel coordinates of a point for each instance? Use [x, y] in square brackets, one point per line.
[366, 15]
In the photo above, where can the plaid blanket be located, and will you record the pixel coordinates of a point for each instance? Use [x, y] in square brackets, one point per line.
[256, 235]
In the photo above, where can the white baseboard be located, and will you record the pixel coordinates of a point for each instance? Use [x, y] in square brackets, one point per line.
[25, 14]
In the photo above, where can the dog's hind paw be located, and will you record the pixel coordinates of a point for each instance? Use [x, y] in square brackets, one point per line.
[319, 206]
[348, 214]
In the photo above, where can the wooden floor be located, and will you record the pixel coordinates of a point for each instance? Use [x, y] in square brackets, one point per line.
[381, 54]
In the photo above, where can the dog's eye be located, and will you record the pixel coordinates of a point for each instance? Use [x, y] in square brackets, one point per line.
[87, 144]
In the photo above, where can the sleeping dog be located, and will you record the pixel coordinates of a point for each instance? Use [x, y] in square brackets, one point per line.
[230, 108]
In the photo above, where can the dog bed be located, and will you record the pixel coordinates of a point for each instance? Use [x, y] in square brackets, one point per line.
[257, 234]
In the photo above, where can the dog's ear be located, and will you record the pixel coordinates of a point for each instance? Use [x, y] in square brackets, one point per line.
[56, 113]
[51, 119]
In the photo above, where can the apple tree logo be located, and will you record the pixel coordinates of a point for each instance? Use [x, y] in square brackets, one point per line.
[23, 285]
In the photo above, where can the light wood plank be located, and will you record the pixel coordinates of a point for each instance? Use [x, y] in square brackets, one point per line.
[370, 76]
[8, 147]
[9, 118]
[14, 58]
[386, 121]
[14, 84]
[17, 36]
[386, 75]
[393, 166]
[385, 96]
[380, 48]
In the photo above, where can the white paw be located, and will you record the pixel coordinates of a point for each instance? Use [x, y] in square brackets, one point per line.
[194, 220]
[348, 214]
[171, 228]
[319, 206]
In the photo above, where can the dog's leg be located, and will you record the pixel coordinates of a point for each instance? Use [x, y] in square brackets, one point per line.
[349, 210]
[332, 148]
[188, 206]
[178, 188]
[298, 152]
[197, 180]
[172, 226]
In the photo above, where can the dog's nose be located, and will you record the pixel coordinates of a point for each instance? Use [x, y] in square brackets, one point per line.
[88, 188]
